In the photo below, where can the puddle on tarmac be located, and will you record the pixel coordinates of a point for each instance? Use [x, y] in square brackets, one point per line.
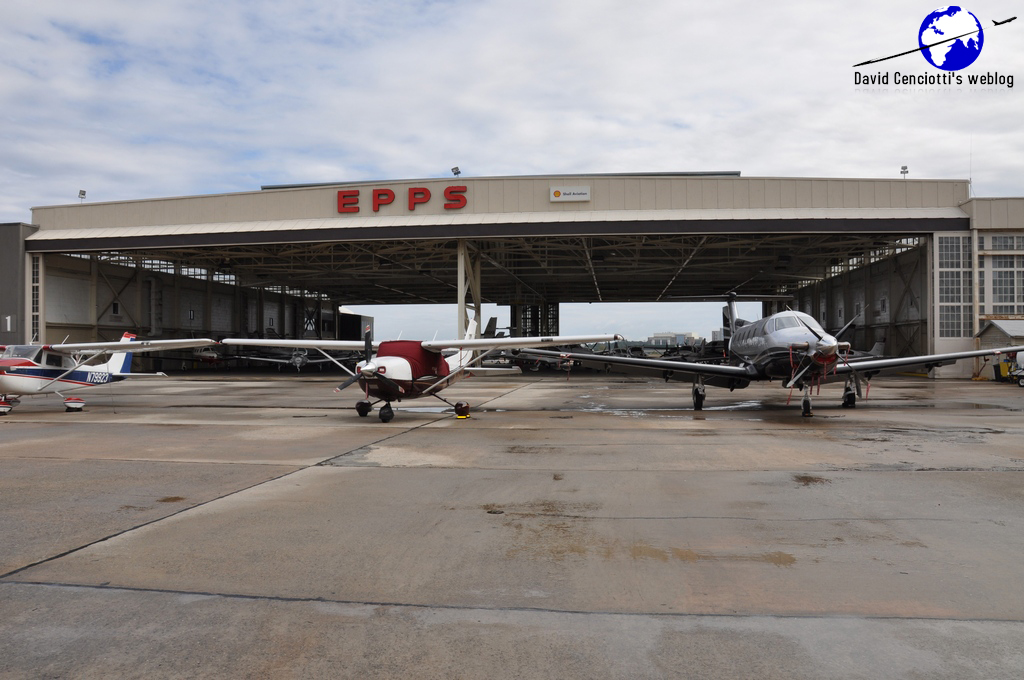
[645, 551]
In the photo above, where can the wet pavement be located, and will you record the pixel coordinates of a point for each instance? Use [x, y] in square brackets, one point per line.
[589, 528]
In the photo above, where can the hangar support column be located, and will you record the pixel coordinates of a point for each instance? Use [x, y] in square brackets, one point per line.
[469, 282]
[15, 280]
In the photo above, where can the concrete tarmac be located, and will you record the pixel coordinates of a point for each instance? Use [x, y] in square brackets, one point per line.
[256, 527]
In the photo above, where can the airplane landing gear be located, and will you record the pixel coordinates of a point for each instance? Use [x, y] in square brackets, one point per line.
[849, 397]
[461, 410]
[363, 408]
[806, 403]
[74, 404]
[698, 394]
[386, 414]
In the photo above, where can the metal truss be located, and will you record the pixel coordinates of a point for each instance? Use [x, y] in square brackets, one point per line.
[534, 270]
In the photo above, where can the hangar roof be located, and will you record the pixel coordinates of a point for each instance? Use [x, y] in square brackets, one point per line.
[505, 225]
[629, 238]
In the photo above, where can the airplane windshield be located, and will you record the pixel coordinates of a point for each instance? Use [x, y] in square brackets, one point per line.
[786, 322]
[21, 352]
[810, 321]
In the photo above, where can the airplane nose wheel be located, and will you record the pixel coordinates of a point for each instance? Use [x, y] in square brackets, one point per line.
[698, 393]
[698, 397]
[806, 403]
[386, 414]
[363, 408]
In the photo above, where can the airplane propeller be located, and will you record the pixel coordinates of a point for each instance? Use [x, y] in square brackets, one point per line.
[369, 370]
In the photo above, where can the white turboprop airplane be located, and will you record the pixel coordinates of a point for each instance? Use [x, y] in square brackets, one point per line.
[409, 369]
[43, 369]
[788, 346]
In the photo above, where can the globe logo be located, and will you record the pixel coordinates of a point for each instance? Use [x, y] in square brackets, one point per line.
[959, 33]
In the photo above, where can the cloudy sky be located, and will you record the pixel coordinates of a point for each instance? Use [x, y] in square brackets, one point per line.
[140, 100]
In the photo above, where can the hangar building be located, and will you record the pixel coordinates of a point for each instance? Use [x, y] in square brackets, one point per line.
[919, 263]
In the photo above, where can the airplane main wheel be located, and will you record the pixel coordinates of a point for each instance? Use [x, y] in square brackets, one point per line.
[386, 414]
[850, 400]
[461, 409]
[363, 408]
[698, 401]
[807, 409]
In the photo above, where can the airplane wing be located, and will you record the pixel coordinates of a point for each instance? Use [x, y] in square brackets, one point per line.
[299, 344]
[134, 346]
[930, 361]
[512, 343]
[276, 360]
[659, 366]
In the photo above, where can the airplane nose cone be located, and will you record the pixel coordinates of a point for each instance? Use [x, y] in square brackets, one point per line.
[826, 349]
[368, 370]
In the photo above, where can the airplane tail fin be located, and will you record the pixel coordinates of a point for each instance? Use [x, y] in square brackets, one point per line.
[466, 355]
[730, 317]
[120, 362]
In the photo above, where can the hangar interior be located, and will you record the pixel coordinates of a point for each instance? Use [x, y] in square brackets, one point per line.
[896, 254]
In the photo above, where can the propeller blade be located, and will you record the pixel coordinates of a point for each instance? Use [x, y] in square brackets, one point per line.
[367, 344]
[799, 374]
[804, 324]
[390, 384]
[345, 384]
[846, 327]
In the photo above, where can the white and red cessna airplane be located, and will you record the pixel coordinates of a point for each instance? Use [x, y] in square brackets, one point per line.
[43, 369]
[409, 369]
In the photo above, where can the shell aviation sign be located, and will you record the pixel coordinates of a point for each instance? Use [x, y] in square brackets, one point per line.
[568, 194]
[349, 200]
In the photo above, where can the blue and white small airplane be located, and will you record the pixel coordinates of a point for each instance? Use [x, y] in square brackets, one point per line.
[44, 369]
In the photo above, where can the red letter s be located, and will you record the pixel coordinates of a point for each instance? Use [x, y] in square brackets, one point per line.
[455, 195]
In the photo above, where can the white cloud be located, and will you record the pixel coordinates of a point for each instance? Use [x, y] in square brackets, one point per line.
[134, 101]
[137, 100]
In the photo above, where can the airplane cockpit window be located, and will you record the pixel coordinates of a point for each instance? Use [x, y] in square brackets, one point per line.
[21, 352]
[810, 321]
[786, 322]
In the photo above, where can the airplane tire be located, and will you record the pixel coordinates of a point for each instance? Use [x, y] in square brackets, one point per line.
[698, 402]
[363, 408]
[1020, 381]
[807, 410]
[386, 414]
[850, 401]
[462, 409]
